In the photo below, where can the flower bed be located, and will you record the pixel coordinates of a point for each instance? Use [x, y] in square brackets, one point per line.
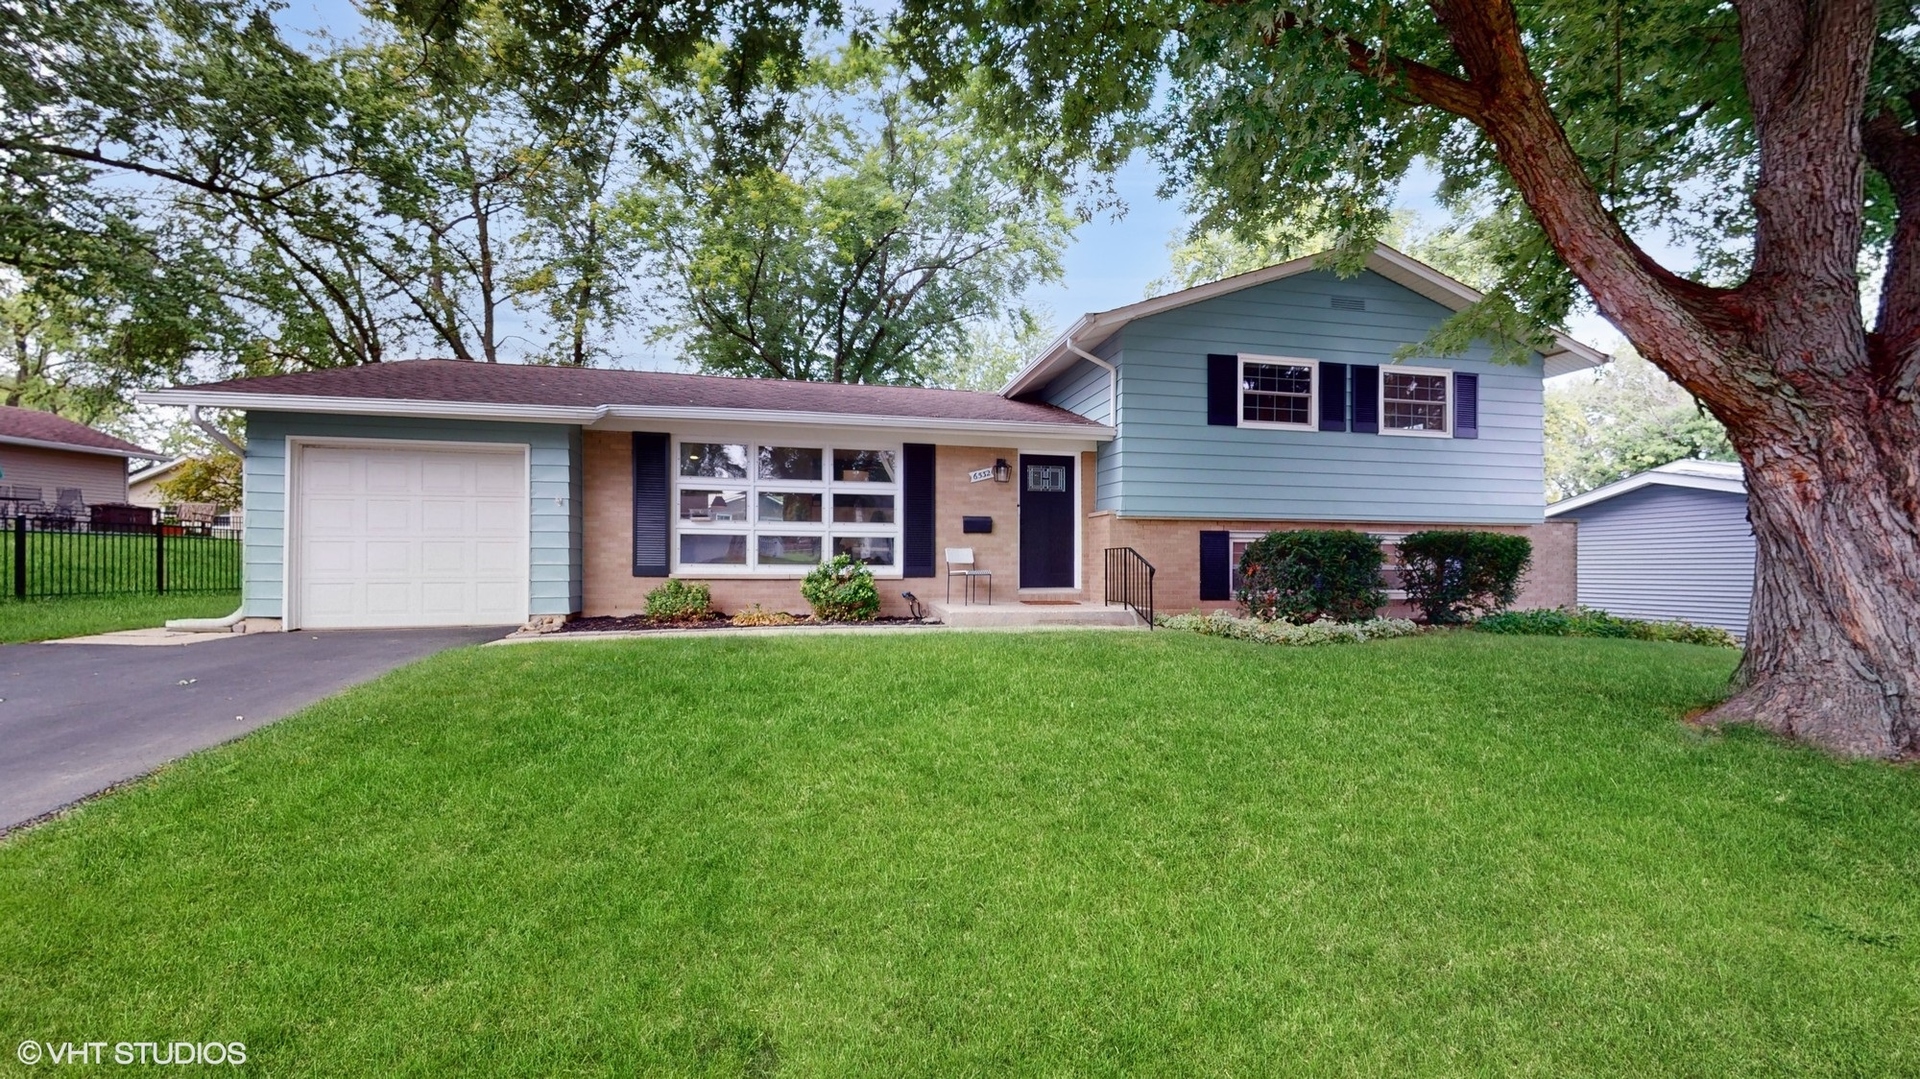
[1224, 624]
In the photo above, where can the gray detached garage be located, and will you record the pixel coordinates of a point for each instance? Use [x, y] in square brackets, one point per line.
[1671, 543]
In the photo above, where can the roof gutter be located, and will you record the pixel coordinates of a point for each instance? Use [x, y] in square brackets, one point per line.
[587, 416]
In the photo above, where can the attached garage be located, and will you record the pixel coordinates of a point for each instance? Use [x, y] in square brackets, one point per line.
[401, 533]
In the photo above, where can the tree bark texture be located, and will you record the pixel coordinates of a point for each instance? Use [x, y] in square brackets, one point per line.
[1823, 412]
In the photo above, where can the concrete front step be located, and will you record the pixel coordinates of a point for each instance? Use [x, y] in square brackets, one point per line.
[1014, 614]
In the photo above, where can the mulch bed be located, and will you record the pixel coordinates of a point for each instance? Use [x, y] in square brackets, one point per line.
[631, 623]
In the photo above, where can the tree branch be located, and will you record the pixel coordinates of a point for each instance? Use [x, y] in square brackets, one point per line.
[1894, 151]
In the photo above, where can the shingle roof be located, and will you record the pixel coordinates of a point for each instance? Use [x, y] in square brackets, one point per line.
[451, 381]
[31, 426]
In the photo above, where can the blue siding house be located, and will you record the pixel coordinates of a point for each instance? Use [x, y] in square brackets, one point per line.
[435, 492]
[1672, 543]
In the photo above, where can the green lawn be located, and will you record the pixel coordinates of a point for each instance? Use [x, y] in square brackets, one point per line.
[958, 854]
[75, 616]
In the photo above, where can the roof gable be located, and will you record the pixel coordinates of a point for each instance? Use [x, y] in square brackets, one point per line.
[44, 430]
[1724, 477]
[1093, 329]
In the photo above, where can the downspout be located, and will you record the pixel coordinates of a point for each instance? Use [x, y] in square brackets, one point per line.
[207, 428]
[210, 625]
[1113, 382]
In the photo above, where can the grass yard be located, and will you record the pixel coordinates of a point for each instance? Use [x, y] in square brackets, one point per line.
[75, 616]
[951, 854]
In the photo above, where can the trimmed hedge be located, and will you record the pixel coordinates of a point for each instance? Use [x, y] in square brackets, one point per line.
[1451, 576]
[1312, 574]
[1591, 623]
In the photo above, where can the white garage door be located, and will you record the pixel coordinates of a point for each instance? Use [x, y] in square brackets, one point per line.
[404, 536]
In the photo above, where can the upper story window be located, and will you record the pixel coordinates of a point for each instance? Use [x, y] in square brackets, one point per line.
[749, 508]
[1415, 401]
[1277, 392]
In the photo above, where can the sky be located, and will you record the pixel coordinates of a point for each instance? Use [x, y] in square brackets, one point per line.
[1111, 259]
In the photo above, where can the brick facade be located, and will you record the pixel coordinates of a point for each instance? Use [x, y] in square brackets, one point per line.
[610, 588]
[1171, 545]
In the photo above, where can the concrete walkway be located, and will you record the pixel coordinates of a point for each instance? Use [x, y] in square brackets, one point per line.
[76, 719]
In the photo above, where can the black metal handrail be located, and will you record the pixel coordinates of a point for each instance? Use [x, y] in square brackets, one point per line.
[1130, 581]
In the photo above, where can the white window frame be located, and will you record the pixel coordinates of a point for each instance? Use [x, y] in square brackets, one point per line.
[1387, 429]
[752, 528]
[1313, 392]
[1390, 540]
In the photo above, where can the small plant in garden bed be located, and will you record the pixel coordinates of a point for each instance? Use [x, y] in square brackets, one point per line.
[842, 591]
[680, 601]
[756, 615]
[1585, 622]
[1305, 575]
[1325, 631]
[1451, 576]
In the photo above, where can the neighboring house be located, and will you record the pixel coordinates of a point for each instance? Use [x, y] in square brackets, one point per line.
[143, 489]
[42, 452]
[434, 491]
[1671, 543]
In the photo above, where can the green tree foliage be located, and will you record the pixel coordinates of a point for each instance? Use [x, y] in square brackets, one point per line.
[993, 352]
[214, 477]
[1622, 419]
[880, 234]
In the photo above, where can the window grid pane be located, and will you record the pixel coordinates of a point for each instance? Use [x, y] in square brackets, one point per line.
[1414, 402]
[765, 523]
[1277, 393]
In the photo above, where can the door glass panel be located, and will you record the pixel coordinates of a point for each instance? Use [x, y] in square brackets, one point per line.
[717, 459]
[790, 506]
[873, 550]
[790, 550]
[863, 466]
[707, 549]
[863, 509]
[1046, 477]
[790, 462]
[708, 506]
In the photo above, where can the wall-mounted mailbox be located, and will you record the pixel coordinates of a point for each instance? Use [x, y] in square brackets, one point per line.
[976, 524]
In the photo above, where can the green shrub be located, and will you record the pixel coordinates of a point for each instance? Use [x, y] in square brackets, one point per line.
[680, 601]
[1222, 624]
[1451, 576]
[842, 591]
[1310, 574]
[1591, 623]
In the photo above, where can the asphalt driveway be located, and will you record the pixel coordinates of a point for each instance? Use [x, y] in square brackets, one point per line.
[78, 718]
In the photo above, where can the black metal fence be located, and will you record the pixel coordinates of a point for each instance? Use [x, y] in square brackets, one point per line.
[59, 555]
[1130, 581]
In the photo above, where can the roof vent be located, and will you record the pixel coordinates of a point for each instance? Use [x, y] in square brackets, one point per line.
[1349, 303]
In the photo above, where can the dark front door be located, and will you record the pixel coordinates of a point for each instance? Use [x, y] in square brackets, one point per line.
[1046, 521]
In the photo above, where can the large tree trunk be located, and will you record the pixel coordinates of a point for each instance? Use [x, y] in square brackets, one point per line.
[1833, 649]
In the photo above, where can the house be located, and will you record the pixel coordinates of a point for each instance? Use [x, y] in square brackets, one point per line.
[1671, 543]
[42, 454]
[434, 491]
[143, 489]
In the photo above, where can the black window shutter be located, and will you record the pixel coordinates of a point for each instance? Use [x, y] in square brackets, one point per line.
[1223, 390]
[1216, 565]
[1466, 406]
[1333, 396]
[1366, 398]
[650, 509]
[916, 510]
